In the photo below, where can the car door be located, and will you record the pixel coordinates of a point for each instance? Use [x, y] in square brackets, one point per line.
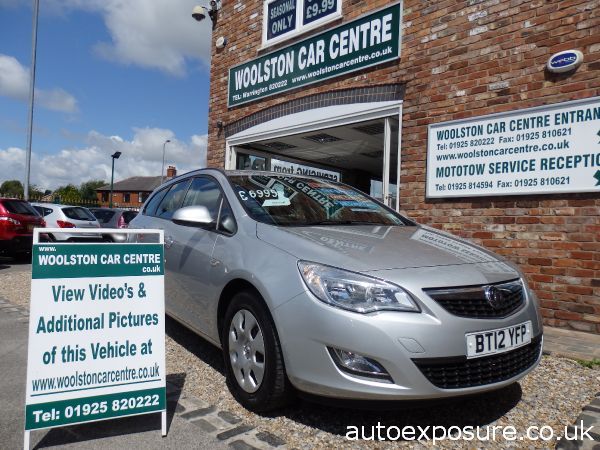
[189, 251]
[158, 215]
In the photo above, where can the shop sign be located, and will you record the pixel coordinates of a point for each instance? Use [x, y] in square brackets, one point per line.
[300, 169]
[545, 150]
[367, 41]
[96, 333]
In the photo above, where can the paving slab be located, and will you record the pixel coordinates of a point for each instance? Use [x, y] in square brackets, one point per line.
[571, 344]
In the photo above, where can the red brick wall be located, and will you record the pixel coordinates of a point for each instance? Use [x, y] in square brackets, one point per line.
[465, 59]
[118, 200]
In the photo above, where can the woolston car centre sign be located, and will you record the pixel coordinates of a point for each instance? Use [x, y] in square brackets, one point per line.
[96, 333]
[367, 41]
[545, 150]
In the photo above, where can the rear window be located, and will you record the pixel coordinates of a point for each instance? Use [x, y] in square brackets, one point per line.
[43, 211]
[103, 215]
[19, 207]
[76, 213]
[129, 215]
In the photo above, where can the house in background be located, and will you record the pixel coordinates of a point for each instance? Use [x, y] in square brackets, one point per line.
[131, 192]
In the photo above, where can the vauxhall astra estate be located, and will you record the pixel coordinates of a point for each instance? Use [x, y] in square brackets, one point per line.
[310, 285]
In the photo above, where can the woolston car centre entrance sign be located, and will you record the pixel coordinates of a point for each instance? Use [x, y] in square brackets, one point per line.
[545, 150]
[364, 42]
[96, 332]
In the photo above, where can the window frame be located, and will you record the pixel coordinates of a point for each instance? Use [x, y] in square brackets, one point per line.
[300, 28]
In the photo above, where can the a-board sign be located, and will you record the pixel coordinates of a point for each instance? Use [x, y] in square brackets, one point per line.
[96, 332]
[545, 150]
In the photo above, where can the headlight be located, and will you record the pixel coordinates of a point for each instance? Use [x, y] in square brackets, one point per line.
[353, 291]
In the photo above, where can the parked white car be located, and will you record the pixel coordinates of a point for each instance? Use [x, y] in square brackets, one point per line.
[68, 216]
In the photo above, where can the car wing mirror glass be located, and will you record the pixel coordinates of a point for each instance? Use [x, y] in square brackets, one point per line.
[197, 216]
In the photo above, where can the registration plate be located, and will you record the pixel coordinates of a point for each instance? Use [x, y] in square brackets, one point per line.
[499, 340]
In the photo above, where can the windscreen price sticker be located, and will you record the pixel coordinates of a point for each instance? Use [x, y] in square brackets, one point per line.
[96, 333]
[544, 150]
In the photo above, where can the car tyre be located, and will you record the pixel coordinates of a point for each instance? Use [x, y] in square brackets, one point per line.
[252, 353]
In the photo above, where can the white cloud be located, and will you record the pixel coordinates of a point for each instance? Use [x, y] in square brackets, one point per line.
[157, 34]
[14, 83]
[141, 156]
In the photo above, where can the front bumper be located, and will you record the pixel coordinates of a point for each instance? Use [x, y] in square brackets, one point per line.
[396, 340]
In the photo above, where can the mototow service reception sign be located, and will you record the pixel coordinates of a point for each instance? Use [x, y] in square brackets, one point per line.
[545, 150]
[369, 40]
[96, 333]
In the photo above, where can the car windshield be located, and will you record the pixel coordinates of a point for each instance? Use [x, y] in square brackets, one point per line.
[296, 201]
[103, 215]
[19, 207]
[77, 213]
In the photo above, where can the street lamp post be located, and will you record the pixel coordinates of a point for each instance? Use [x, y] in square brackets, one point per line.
[114, 156]
[162, 173]
[36, 8]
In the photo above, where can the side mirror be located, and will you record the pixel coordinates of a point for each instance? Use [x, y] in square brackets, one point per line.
[198, 216]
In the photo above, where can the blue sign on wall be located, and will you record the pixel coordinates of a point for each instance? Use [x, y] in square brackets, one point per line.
[565, 61]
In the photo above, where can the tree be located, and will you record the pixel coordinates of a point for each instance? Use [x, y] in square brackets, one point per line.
[12, 188]
[68, 193]
[87, 190]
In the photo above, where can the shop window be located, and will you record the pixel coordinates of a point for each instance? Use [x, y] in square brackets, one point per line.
[284, 19]
[250, 162]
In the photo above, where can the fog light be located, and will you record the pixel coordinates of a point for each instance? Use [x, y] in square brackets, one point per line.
[356, 364]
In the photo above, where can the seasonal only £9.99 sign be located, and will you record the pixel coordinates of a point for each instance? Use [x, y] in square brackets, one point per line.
[546, 150]
[96, 333]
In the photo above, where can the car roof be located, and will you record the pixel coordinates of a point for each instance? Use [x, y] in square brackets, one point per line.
[56, 205]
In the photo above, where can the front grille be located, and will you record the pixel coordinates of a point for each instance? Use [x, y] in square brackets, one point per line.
[460, 372]
[471, 301]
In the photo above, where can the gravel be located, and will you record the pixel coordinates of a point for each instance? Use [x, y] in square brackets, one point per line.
[552, 395]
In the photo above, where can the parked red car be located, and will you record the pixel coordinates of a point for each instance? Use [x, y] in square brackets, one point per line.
[17, 221]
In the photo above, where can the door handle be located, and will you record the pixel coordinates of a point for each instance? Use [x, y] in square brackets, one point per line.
[214, 262]
[169, 241]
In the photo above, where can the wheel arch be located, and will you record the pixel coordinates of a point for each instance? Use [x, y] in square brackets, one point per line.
[231, 288]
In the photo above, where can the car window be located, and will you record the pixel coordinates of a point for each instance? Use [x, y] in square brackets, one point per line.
[77, 213]
[150, 208]
[226, 216]
[172, 200]
[287, 200]
[103, 215]
[43, 211]
[129, 216]
[204, 192]
[19, 207]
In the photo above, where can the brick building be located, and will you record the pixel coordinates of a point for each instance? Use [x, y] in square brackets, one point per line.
[131, 192]
[464, 115]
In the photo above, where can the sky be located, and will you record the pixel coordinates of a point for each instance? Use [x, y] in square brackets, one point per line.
[111, 75]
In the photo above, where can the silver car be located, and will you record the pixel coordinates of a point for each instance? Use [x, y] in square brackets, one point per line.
[311, 285]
